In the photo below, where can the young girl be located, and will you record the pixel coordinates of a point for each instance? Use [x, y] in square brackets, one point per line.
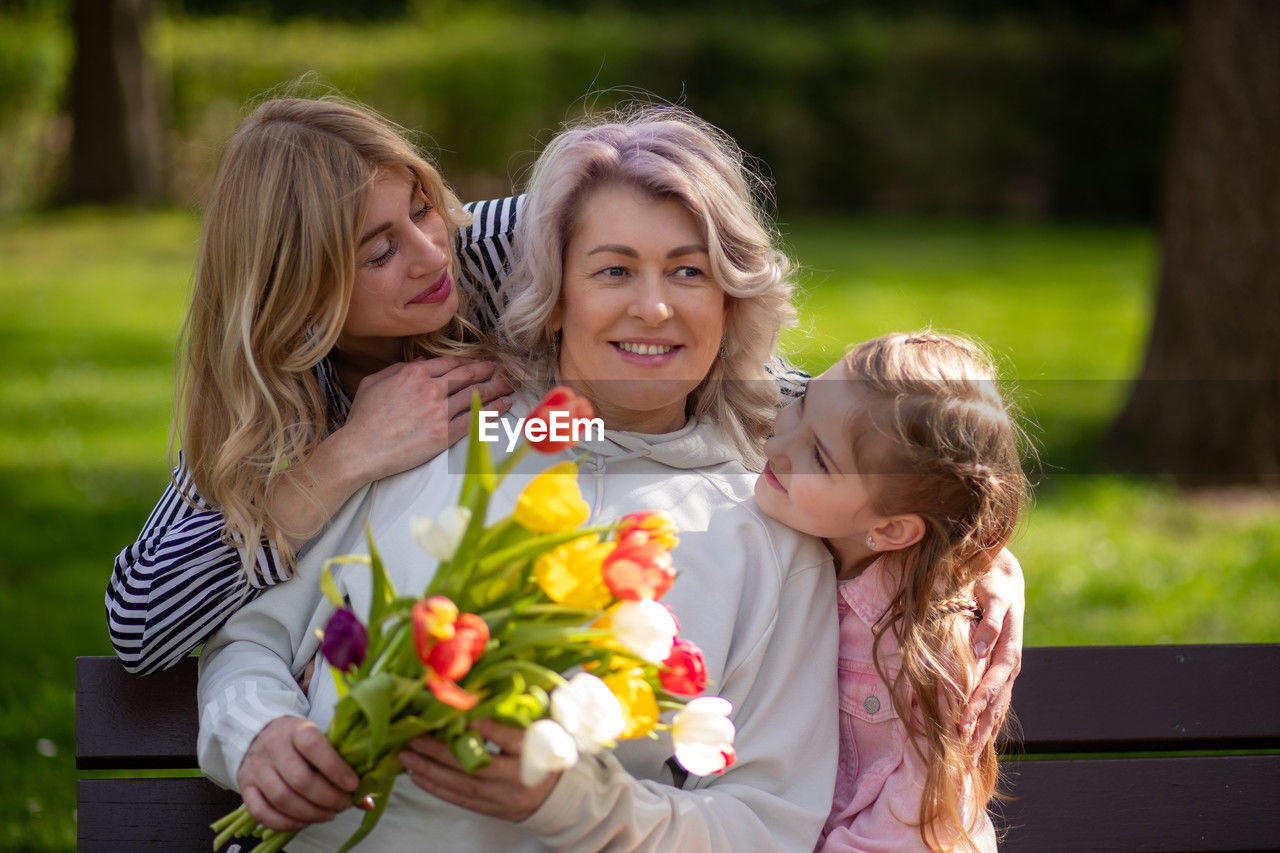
[904, 459]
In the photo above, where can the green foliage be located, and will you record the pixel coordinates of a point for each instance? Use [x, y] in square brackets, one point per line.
[34, 60]
[853, 111]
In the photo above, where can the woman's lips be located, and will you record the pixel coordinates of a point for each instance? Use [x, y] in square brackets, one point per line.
[437, 292]
[647, 359]
[771, 479]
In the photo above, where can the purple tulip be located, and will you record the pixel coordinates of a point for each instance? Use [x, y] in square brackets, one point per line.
[345, 640]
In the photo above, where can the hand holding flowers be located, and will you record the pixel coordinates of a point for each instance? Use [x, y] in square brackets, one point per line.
[537, 640]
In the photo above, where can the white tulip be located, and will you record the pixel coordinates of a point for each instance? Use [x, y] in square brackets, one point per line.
[645, 628]
[547, 748]
[703, 735]
[440, 538]
[588, 710]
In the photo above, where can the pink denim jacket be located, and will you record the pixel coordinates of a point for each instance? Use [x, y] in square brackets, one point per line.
[879, 777]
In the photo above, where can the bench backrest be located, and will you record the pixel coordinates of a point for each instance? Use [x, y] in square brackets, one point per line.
[1077, 785]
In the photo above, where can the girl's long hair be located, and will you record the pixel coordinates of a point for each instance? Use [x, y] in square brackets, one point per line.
[936, 427]
[272, 284]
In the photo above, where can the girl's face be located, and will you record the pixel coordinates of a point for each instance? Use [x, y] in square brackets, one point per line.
[641, 317]
[811, 481]
[403, 286]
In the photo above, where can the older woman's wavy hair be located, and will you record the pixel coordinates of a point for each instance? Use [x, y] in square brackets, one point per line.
[671, 154]
[272, 286]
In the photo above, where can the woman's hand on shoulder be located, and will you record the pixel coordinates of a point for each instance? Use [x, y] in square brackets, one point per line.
[1001, 594]
[292, 777]
[408, 413]
[496, 790]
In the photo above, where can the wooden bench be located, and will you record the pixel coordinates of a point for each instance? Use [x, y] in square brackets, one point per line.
[1081, 772]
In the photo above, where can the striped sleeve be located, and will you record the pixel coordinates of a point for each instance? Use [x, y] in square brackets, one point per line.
[484, 251]
[176, 585]
[791, 380]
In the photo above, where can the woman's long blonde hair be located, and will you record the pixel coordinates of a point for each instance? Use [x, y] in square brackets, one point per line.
[952, 455]
[667, 152]
[273, 281]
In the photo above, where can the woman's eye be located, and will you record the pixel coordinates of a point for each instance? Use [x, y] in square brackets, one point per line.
[689, 272]
[384, 257]
[817, 457]
[421, 213]
[613, 272]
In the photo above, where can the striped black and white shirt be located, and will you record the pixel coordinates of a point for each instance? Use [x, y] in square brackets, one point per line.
[176, 585]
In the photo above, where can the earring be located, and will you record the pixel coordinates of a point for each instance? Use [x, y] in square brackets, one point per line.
[724, 352]
[871, 542]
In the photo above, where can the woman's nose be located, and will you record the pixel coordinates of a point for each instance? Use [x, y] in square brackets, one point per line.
[651, 304]
[430, 252]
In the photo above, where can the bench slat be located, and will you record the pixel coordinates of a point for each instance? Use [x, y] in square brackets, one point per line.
[1148, 698]
[1143, 804]
[119, 724]
[149, 814]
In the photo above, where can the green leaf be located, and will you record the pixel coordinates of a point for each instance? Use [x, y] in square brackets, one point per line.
[469, 749]
[380, 799]
[329, 588]
[530, 548]
[374, 696]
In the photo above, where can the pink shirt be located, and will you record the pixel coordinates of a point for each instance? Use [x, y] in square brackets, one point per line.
[879, 777]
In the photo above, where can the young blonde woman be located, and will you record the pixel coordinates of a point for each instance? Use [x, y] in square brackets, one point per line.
[323, 349]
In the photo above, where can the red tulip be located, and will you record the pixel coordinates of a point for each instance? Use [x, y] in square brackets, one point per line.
[638, 569]
[448, 644]
[684, 672]
[568, 408]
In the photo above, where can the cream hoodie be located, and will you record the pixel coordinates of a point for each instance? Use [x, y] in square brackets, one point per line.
[756, 596]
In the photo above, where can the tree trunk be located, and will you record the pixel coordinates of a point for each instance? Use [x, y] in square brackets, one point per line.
[1206, 407]
[115, 142]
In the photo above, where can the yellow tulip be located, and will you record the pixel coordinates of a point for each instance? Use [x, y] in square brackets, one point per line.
[570, 573]
[635, 695]
[552, 503]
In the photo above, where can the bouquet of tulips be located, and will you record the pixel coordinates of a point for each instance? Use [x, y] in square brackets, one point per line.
[533, 621]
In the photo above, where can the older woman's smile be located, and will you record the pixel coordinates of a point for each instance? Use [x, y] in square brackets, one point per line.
[641, 352]
[641, 318]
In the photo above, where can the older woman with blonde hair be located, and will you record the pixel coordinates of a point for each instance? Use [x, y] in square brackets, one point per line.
[647, 280]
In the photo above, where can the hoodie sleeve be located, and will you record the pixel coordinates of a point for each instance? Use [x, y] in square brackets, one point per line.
[248, 669]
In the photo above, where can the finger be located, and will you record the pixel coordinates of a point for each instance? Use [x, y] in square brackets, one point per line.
[306, 782]
[489, 390]
[434, 749]
[288, 802]
[444, 364]
[460, 423]
[266, 814]
[987, 632]
[507, 738]
[461, 379]
[316, 749]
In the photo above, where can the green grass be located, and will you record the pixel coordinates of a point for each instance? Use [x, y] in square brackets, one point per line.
[91, 301]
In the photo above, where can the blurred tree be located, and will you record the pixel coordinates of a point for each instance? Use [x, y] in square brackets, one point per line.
[115, 141]
[1206, 407]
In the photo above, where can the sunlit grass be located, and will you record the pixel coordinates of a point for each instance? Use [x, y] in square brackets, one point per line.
[90, 305]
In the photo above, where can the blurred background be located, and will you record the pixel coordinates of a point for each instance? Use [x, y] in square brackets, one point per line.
[1089, 188]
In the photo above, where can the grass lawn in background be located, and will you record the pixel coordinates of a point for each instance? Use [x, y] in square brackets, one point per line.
[90, 305]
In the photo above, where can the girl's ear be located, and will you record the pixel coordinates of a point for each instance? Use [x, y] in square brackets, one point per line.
[898, 531]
